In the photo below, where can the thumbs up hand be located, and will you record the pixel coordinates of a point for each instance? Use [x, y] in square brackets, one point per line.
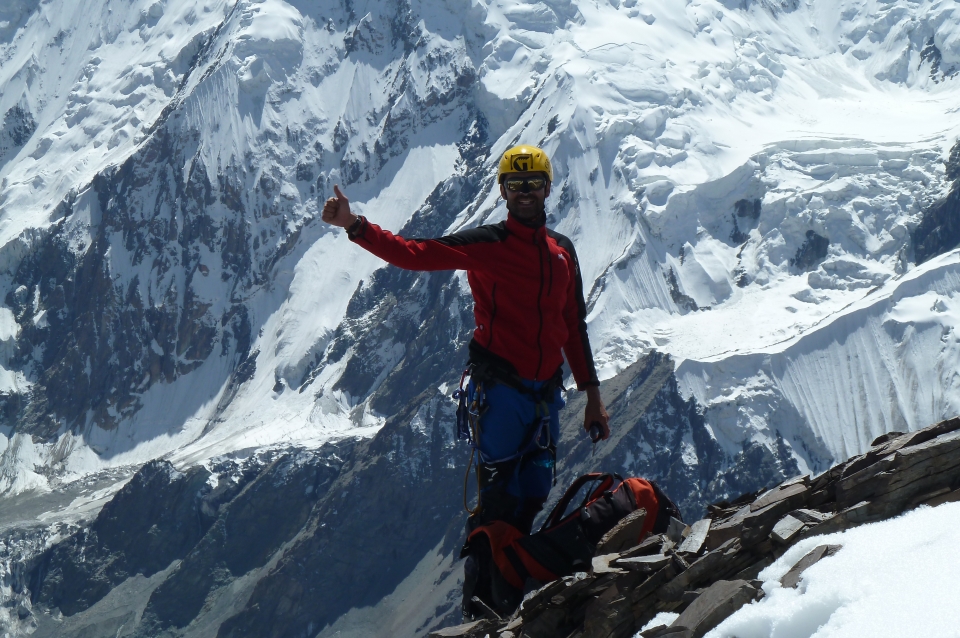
[336, 210]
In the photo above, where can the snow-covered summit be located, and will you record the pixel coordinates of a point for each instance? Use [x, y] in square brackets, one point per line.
[741, 180]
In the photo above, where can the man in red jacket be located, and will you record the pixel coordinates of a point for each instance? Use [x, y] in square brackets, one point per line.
[529, 311]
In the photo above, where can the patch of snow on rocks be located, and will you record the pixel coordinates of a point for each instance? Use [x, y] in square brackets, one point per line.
[892, 578]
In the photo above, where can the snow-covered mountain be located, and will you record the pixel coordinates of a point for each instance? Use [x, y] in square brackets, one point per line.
[762, 195]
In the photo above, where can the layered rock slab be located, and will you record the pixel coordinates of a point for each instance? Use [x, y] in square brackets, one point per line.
[707, 579]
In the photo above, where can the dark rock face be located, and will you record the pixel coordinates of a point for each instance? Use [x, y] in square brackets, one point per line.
[94, 341]
[150, 523]
[747, 211]
[939, 230]
[373, 524]
[813, 249]
[684, 302]
[217, 526]
[932, 54]
[16, 128]
[748, 208]
[755, 467]
[247, 531]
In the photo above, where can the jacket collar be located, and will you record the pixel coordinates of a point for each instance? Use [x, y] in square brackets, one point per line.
[525, 232]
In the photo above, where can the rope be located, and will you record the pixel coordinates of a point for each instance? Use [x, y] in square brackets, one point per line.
[473, 419]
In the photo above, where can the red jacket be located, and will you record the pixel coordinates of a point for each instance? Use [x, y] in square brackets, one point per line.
[526, 285]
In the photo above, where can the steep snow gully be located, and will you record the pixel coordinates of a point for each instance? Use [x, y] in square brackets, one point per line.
[764, 195]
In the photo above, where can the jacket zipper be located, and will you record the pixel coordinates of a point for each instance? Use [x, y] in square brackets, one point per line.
[550, 264]
[493, 312]
[539, 310]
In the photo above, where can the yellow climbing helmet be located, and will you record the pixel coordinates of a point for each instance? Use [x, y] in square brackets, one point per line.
[521, 159]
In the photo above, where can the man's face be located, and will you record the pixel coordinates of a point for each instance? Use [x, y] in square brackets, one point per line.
[525, 206]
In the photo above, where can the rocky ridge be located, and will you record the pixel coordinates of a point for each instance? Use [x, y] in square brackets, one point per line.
[708, 570]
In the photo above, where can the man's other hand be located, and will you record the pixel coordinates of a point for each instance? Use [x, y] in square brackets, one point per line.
[336, 210]
[596, 413]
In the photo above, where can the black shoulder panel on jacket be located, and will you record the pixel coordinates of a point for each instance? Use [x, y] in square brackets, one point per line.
[488, 234]
[564, 242]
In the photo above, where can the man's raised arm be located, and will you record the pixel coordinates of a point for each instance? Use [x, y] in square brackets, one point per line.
[410, 254]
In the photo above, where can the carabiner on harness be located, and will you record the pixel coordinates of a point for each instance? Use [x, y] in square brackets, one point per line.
[469, 410]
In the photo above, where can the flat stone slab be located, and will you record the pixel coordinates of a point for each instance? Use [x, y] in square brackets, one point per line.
[698, 534]
[603, 564]
[715, 604]
[466, 630]
[776, 495]
[625, 534]
[658, 544]
[675, 530]
[792, 578]
[949, 497]
[812, 517]
[644, 563]
[663, 632]
[787, 528]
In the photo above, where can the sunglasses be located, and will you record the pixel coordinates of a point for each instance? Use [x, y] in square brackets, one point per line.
[524, 184]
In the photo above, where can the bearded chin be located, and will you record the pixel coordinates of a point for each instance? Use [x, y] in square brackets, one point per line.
[533, 222]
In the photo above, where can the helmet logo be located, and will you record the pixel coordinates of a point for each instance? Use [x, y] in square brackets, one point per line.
[522, 163]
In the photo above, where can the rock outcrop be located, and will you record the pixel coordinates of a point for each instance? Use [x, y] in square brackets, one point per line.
[707, 572]
[939, 230]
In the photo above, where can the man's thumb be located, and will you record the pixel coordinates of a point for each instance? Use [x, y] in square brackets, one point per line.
[338, 193]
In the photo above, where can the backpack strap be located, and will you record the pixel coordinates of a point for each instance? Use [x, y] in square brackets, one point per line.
[557, 513]
[667, 510]
[511, 558]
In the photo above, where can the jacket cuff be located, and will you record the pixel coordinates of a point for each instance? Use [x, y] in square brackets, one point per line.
[357, 229]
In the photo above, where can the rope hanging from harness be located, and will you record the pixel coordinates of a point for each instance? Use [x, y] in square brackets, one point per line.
[468, 427]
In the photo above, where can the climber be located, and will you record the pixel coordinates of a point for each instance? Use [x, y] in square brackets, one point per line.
[529, 311]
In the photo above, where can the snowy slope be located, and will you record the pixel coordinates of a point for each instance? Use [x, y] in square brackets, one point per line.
[696, 147]
[909, 591]
[892, 578]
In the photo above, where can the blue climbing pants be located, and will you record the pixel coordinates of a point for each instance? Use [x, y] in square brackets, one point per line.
[517, 435]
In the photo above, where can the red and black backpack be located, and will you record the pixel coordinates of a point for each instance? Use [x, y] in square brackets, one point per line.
[566, 542]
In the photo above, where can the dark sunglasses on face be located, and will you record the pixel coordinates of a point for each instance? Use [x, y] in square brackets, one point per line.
[524, 184]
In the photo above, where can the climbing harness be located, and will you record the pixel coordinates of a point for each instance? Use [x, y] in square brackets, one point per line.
[471, 407]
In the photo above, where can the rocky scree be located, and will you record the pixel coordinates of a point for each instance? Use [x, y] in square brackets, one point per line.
[707, 571]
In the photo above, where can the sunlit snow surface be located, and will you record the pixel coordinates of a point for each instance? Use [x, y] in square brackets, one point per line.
[660, 116]
[895, 578]
[891, 579]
